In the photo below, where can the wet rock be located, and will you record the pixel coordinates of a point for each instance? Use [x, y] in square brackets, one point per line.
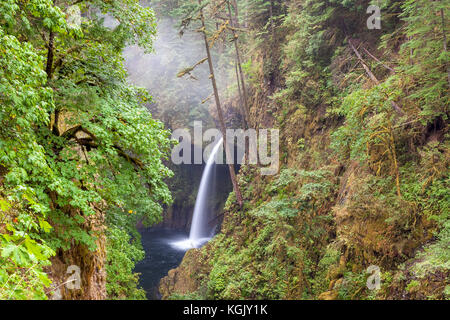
[328, 295]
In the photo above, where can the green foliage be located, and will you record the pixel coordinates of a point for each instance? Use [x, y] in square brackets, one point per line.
[320, 281]
[353, 285]
[23, 254]
[75, 137]
[24, 103]
[413, 284]
[123, 253]
[233, 268]
[435, 257]
[188, 296]
[428, 81]
[389, 135]
[268, 260]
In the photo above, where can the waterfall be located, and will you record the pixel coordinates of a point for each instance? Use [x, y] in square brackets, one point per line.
[199, 220]
[199, 233]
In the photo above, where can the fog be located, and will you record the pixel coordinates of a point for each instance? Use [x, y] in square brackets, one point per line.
[178, 101]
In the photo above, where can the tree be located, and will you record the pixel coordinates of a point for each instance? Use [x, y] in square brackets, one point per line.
[219, 109]
[234, 21]
[77, 140]
[192, 13]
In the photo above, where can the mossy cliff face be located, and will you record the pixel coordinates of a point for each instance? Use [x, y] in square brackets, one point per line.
[184, 188]
[179, 214]
[75, 273]
[91, 282]
[310, 232]
[359, 187]
[182, 280]
[78, 273]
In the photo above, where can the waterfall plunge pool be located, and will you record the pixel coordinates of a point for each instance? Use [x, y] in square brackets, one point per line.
[201, 232]
[188, 243]
[165, 248]
[160, 257]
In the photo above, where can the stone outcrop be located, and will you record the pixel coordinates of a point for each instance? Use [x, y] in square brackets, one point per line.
[182, 279]
[79, 273]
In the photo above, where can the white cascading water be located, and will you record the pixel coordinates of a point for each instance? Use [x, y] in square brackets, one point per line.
[200, 233]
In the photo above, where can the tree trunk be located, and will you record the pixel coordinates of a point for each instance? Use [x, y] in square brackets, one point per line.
[49, 71]
[238, 61]
[50, 55]
[372, 76]
[240, 76]
[241, 99]
[220, 113]
[236, 10]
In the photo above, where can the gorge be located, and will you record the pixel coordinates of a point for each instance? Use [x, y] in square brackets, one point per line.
[165, 247]
[93, 206]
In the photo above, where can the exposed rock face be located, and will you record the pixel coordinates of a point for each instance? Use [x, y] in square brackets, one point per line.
[359, 232]
[328, 295]
[361, 223]
[79, 273]
[181, 280]
[92, 278]
[177, 217]
[409, 286]
[344, 221]
[184, 187]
